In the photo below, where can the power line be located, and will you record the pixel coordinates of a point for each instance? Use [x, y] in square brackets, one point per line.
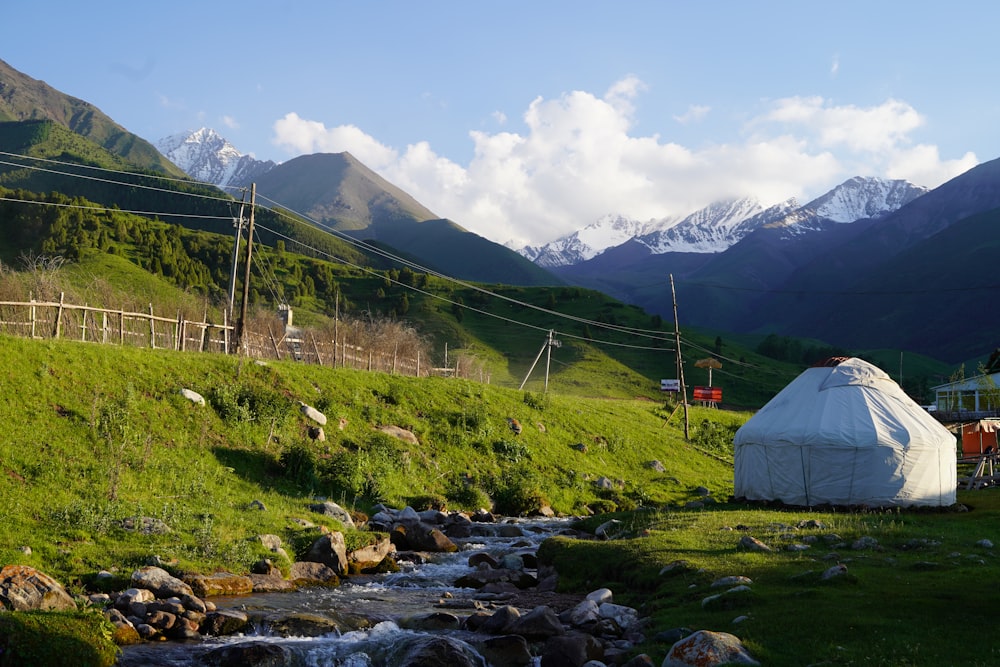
[367, 247]
[112, 182]
[105, 209]
[647, 333]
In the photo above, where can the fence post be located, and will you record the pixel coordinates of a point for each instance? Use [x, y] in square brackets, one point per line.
[121, 327]
[104, 327]
[152, 329]
[418, 363]
[319, 357]
[59, 313]
[83, 326]
[33, 314]
[179, 333]
[225, 330]
[277, 352]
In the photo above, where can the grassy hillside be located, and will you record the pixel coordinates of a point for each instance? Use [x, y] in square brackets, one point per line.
[100, 434]
[909, 592]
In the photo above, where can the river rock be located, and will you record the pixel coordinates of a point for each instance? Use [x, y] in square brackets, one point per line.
[423, 537]
[624, 617]
[330, 550]
[271, 583]
[224, 622]
[184, 629]
[501, 621]
[572, 649]
[160, 582]
[302, 625]
[432, 622]
[601, 595]
[485, 576]
[370, 556]
[506, 651]
[306, 573]
[265, 566]
[481, 557]
[248, 654]
[219, 583]
[510, 530]
[538, 624]
[706, 649]
[584, 613]
[24, 588]
[428, 650]
[458, 526]
[332, 509]
[483, 516]
[273, 544]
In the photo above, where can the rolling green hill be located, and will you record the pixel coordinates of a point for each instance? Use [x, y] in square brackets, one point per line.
[24, 98]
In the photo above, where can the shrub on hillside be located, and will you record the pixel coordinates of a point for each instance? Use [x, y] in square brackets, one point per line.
[518, 492]
[511, 451]
[298, 465]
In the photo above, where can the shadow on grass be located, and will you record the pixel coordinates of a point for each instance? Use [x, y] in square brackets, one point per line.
[255, 467]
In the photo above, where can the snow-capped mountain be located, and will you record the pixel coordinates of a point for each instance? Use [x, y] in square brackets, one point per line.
[592, 240]
[719, 226]
[860, 198]
[205, 155]
[711, 229]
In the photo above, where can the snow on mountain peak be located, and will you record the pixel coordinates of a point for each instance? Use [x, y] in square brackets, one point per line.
[711, 229]
[862, 197]
[207, 156]
[721, 225]
[592, 240]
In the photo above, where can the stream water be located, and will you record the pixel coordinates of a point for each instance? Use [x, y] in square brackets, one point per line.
[377, 604]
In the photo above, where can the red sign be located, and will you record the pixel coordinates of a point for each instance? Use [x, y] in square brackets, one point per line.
[712, 394]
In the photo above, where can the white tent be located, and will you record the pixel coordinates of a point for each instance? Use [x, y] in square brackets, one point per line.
[845, 434]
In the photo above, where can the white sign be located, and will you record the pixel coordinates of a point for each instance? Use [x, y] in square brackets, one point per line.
[670, 385]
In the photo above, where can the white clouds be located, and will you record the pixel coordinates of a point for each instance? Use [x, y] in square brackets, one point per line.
[694, 114]
[230, 122]
[308, 136]
[576, 160]
[835, 66]
[873, 129]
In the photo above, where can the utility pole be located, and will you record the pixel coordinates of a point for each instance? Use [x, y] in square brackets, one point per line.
[550, 342]
[548, 357]
[680, 361]
[236, 252]
[241, 325]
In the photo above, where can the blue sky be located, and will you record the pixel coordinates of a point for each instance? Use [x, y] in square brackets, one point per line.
[525, 121]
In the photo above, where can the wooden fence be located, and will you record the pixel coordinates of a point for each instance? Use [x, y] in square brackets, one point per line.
[58, 319]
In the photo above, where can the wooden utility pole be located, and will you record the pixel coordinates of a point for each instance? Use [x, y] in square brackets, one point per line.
[550, 342]
[680, 361]
[241, 326]
[236, 253]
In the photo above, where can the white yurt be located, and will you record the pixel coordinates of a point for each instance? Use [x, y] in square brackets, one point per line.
[844, 433]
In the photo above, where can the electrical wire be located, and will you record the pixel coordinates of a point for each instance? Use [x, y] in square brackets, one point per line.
[105, 209]
[367, 247]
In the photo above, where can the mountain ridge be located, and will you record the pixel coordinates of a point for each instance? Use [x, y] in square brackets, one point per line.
[207, 156]
[23, 98]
